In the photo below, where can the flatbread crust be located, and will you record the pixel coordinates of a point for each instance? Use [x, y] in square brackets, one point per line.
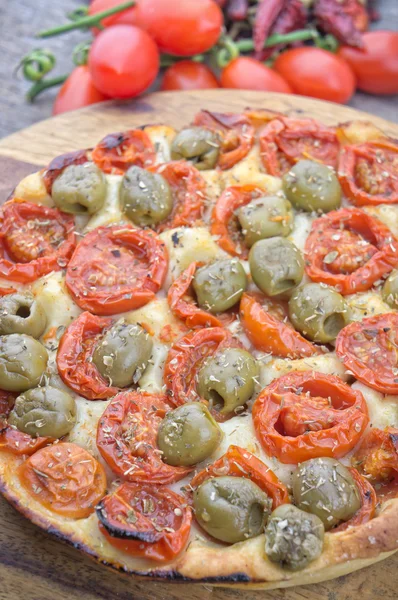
[242, 565]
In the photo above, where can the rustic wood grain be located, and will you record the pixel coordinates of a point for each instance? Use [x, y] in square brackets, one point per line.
[36, 565]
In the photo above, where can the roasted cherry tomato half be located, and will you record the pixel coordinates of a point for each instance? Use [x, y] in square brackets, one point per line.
[34, 240]
[305, 415]
[377, 459]
[127, 439]
[368, 172]
[145, 521]
[188, 75]
[265, 322]
[188, 189]
[115, 269]
[235, 131]
[225, 224]
[367, 348]
[187, 356]
[77, 91]
[239, 462]
[350, 249]
[119, 151]
[59, 164]
[74, 357]
[65, 479]
[368, 503]
[285, 141]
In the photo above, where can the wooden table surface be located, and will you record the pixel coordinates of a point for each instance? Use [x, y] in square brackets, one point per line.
[21, 19]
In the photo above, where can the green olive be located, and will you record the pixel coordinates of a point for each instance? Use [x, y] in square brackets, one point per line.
[326, 488]
[265, 217]
[276, 265]
[227, 379]
[80, 189]
[199, 145]
[231, 509]
[22, 362]
[22, 313]
[293, 538]
[122, 354]
[312, 186]
[188, 434]
[220, 285]
[146, 197]
[44, 411]
[390, 290]
[318, 312]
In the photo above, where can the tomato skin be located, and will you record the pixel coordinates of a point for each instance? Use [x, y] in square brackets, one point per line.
[123, 61]
[125, 17]
[368, 503]
[270, 334]
[376, 65]
[317, 73]
[377, 459]
[360, 236]
[240, 462]
[245, 73]
[117, 152]
[77, 91]
[65, 479]
[181, 27]
[188, 75]
[283, 427]
[127, 439]
[142, 537]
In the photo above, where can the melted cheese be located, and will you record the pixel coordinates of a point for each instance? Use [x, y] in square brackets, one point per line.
[32, 189]
[110, 212]
[328, 364]
[383, 410]
[56, 301]
[301, 228]
[85, 430]
[387, 213]
[365, 305]
[248, 172]
[154, 316]
[161, 137]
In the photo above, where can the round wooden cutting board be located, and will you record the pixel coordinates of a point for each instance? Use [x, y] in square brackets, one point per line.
[32, 563]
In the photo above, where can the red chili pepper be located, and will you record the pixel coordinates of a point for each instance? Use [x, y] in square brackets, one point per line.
[344, 19]
[237, 9]
[292, 17]
[267, 13]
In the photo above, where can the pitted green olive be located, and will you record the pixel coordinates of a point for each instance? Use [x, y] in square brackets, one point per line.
[231, 509]
[22, 362]
[199, 145]
[312, 186]
[276, 265]
[80, 189]
[293, 538]
[318, 312]
[22, 313]
[188, 434]
[390, 290]
[227, 379]
[146, 197]
[44, 411]
[326, 488]
[265, 217]
[123, 353]
[220, 285]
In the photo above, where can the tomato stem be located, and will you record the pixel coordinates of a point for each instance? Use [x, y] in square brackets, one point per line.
[89, 21]
[300, 35]
[44, 84]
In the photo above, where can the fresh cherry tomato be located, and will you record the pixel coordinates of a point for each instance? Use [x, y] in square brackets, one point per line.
[317, 73]
[189, 193]
[235, 131]
[368, 172]
[245, 73]
[188, 75]
[305, 415]
[239, 462]
[376, 65]
[117, 152]
[74, 357]
[127, 439]
[185, 359]
[284, 141]
[125, 17]
[265, 323]
[12, 440]
[377, 459]
[77, 91]
[367, 348]
[123, 61]
[34, 240]
[181, 27]
[59, 163]
[116, 268]
[65, 479]
[368, 503]
[145, 521]
[350, 249]
[224, 223]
